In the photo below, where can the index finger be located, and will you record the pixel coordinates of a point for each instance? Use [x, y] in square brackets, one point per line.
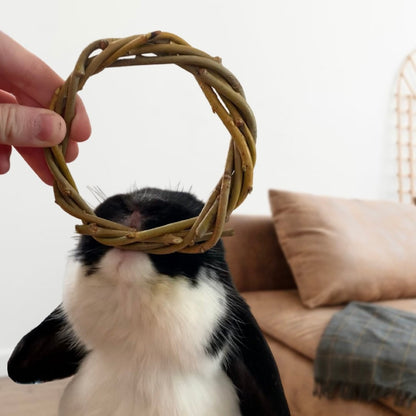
[33, 82]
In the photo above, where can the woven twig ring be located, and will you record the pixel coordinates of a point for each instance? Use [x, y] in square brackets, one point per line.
[227, 100]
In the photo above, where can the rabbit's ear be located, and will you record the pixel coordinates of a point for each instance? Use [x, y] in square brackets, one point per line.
[50, 351]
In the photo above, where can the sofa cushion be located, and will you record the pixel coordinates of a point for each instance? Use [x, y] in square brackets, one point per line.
[341, 250]
[281, 315]
[254, 256]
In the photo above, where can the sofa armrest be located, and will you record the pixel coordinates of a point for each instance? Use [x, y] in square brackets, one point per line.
[254, 256]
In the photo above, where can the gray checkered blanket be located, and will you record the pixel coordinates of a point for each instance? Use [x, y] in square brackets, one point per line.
[368, 352]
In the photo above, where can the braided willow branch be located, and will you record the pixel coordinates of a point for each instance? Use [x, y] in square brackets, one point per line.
[227, 99]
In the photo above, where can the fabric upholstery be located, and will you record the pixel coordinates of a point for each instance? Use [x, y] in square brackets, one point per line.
[254, 256]
[341, 250]
[293, 332]
[282, 316]
[297, 378]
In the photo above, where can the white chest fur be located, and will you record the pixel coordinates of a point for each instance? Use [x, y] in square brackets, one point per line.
[147, 334]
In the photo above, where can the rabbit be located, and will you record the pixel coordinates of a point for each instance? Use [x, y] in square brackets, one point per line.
[151, 335]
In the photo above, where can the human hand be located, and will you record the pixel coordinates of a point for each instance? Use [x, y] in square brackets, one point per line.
[26, 88]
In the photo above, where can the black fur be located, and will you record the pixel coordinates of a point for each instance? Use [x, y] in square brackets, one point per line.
[48, 352]
[44, 354]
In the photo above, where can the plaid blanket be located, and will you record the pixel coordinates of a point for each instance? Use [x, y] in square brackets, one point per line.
[368, 352]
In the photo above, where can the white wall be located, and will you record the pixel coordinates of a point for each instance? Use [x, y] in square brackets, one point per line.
[319, 76]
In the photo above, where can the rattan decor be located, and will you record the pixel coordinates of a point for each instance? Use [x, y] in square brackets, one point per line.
[406, 129]
[227, 100]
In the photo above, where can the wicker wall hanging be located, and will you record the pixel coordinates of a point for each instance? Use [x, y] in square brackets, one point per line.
[406, 129]
[227, 100]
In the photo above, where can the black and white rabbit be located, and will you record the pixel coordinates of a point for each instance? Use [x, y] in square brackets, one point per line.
[152, 335]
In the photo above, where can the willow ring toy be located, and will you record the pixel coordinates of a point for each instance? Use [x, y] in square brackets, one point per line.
[227, 100]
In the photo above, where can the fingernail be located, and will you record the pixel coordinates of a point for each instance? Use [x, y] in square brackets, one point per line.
[51, 128]
[4, 165]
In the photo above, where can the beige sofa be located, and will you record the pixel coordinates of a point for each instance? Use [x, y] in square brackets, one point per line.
[293, 314]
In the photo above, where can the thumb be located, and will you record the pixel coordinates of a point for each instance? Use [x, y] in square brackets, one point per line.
[30, 126]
